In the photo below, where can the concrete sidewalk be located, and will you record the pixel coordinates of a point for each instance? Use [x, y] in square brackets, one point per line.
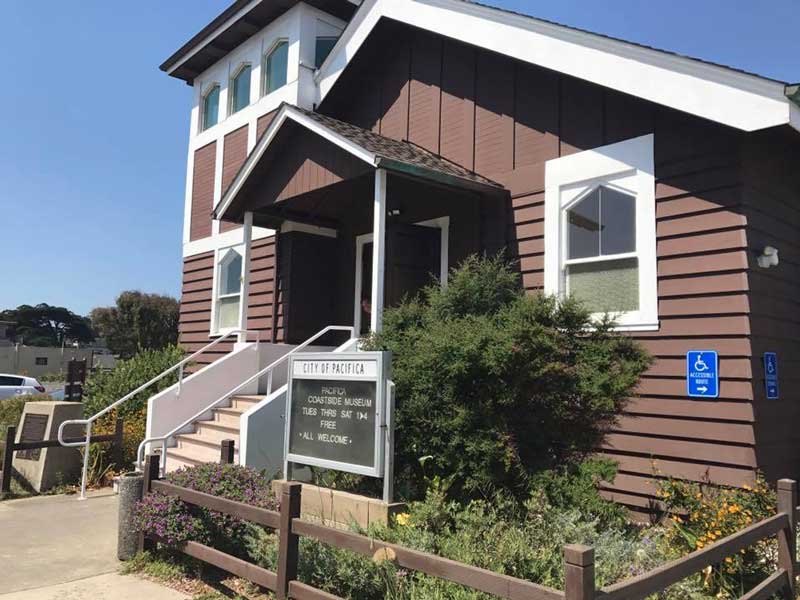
[57, 546]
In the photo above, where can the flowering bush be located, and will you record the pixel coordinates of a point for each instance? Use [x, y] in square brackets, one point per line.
[174, 521]
[702, 514]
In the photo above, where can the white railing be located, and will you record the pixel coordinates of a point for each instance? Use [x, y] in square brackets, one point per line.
[88, 422]
[268, 370]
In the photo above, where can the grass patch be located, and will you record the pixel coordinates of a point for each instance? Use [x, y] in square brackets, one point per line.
[182, 573]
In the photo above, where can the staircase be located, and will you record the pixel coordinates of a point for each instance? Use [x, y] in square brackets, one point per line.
[205, 443]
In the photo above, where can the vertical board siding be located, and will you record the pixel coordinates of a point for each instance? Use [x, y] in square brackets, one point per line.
[202, 191]
[197, 293]
[263, 122]
[234, 153]
[504, 119]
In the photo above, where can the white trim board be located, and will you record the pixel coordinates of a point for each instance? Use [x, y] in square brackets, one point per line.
[724, 95]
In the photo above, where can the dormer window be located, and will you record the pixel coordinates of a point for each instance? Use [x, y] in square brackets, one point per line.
[240, 89]
[324, 47]
[210, 115]
[276, 66]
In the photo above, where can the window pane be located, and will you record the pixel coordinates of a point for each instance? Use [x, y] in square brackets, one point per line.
[277, 65]
[583, 227]
[607, 286]
[231, 274]
[228, 313]
[324, 47]
[618, 218]
[211, 108]
[241, 90]
[14, 381]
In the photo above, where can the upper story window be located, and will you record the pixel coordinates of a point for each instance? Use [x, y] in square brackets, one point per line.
[324, 46]
[600, 231]
[240, 89]
[210, 107]
[276, 66]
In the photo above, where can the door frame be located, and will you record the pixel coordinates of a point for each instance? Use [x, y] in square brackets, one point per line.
[441, 223]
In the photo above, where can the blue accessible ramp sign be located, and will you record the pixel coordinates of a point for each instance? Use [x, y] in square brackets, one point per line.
[702, 374]
[771, 374]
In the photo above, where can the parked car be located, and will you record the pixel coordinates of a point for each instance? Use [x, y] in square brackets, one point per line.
[17, 385]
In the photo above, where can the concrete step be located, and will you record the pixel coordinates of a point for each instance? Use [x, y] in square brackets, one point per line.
[178, 460]
[228, 417]
[211, 430]
[246, 402]
[198, 448]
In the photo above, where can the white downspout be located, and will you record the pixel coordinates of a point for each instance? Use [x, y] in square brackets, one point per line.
[378, 251]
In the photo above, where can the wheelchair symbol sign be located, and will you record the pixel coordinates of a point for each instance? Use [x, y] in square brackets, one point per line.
[771, 375]
[702, 374]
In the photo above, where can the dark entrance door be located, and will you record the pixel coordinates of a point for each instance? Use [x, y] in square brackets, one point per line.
[413, 260]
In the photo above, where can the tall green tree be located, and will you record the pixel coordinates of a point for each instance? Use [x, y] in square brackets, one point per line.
[45, 325]
[138, 322]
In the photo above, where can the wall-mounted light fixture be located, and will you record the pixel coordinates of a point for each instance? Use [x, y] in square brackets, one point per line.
[394, 212]
[768, 257]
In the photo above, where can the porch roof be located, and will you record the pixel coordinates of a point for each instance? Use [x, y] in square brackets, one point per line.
[371, 149]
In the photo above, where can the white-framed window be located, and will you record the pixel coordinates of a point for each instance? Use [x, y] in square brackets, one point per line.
[227, 289]
[240, 89]
[276, 67]
[600, 231]
[209, 113]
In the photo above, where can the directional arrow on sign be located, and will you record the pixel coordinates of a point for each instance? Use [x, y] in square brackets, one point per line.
[702, 389]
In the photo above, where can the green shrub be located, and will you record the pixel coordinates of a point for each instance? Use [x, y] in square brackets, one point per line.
[494, 384]
[11, 410]
[106, 387]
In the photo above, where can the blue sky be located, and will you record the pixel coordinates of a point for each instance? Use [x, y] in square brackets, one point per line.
[93, 136]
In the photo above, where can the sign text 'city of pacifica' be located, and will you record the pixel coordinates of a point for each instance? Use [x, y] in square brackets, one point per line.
[335, 413]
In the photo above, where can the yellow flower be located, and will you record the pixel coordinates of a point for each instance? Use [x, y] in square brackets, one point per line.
[403, 519]
[700, 544]
[747, 487]
[728, 559]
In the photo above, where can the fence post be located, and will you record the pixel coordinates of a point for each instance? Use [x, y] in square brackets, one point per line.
[226, 452]
[787, 550]
[579, 572]
[288, 541]
[151, 472]
[118, 451]
[8, 459]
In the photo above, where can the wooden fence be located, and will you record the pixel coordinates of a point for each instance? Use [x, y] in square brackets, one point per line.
[12, 446]
[578, 560]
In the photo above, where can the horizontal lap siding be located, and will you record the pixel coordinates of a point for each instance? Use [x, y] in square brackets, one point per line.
[505, 119]
[202, 191]
[234, 153]
[196, 297]
[772, 196]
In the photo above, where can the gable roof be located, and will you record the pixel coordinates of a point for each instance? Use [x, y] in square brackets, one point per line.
[729, 96]
[375, 150]
[234, 26]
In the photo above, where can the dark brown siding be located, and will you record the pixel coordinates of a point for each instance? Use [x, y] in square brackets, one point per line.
[505, 119]
[234, 153]
[202, 191]
[196, 295]
[772, 197]
[264, 122]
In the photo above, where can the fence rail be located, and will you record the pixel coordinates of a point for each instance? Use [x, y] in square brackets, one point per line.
[12, 446]
[578, 560]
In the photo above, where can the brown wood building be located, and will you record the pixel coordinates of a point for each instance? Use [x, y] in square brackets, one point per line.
[467, 147]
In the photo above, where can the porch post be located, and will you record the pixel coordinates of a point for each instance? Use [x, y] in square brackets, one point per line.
[244, 297]
[378, 251]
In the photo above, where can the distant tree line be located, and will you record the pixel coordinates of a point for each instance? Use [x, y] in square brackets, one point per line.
[138, 321]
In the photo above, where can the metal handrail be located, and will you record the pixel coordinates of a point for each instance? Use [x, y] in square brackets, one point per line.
[88, 422]
[265, 371]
